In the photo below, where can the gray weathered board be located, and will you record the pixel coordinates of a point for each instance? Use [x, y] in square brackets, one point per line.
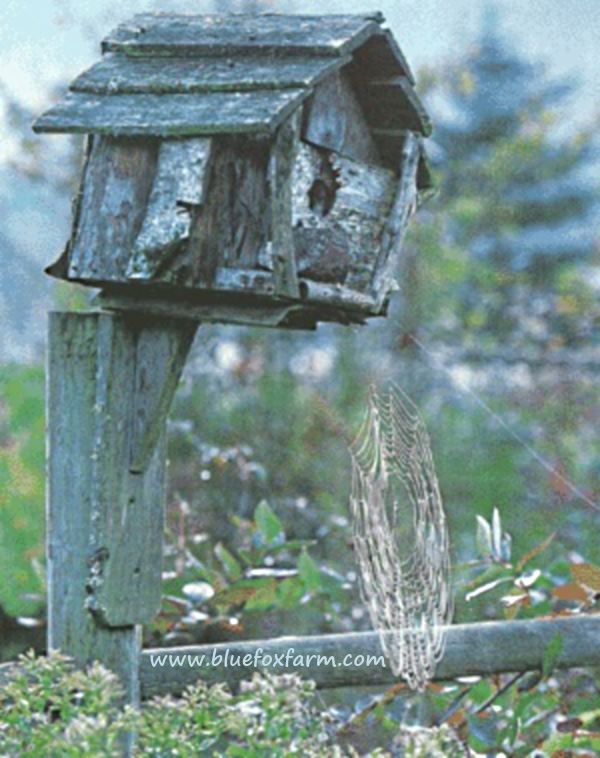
[175, 56]
[480, 649]
[120, 75]
[109, 384]
[173, 34]
[144, 202]
[477, 649]
[170, 115]
[334, 119]
[396, 222]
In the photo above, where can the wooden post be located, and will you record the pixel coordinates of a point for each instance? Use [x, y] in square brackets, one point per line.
[110, 381]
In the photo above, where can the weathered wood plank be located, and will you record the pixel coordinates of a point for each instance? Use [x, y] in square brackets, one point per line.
[340, 207]
[284, 149]
[60, 267]
[181, 35]
[73, 459]
[486, 648]
[190, 310]
[393, 104]
[105, 522]
[119, 74]
[333, 119]
[491, 647]
[161, 351]
[233, 279]
[171, 115]
[336, 296]
[396, 222]
[117, 182]
[178, 192]
[232, 226]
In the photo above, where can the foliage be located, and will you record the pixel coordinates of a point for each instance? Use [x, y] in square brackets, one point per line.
[433, 742]
[214, 591]
[512, 232]
[51, 710]
[21, 488]
[513, 714]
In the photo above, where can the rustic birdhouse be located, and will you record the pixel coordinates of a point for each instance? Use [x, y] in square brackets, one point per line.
[246, 169]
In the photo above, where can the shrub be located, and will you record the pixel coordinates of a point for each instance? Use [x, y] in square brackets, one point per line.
[49, 709]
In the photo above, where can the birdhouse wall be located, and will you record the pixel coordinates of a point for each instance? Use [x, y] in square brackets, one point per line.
[334, 119]
[339, 212]
[169, 211]
[109, 210]
[285, 217]
[177, 211]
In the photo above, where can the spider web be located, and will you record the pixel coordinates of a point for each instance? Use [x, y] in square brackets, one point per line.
[400, 535]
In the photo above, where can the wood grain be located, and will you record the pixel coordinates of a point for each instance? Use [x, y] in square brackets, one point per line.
[405, 204]
[117, 183]
[182, 35]
[179, 190]
[334, 119]
[118, 74]
[178, 115]
[482, 649]
[284, 149]
[105, 522]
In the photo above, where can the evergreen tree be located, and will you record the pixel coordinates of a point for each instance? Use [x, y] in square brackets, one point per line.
[516, 232]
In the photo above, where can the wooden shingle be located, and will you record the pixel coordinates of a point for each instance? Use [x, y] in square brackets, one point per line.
[183, 35]
[172, 115]
[168, 75]
[117, 74]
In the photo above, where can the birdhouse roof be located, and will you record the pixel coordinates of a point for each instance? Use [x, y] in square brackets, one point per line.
[169, 75]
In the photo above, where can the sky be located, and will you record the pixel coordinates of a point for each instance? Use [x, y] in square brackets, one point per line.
[44, 42]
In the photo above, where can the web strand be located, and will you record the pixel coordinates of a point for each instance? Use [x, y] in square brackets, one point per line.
[438, 364]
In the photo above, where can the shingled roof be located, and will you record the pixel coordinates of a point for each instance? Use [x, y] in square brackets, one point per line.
[184, 75]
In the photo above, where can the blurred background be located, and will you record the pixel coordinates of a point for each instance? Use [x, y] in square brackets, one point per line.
[493, 334]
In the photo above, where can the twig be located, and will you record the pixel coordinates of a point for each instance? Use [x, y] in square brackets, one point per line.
[499, 692]
[388, 696]
[453, 705]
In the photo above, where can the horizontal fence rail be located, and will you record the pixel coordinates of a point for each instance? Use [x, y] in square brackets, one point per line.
[486, 648]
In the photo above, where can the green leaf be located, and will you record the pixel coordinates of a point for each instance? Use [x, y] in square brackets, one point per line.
[484, 729]
[290, 591]
[309, 572]
[534, 552]
[264, 597]
[239, 593]
[229, 563]
[551, 654]
[291, 546]
[267, 522]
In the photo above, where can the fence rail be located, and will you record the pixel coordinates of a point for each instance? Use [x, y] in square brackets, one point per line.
[485, 648]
